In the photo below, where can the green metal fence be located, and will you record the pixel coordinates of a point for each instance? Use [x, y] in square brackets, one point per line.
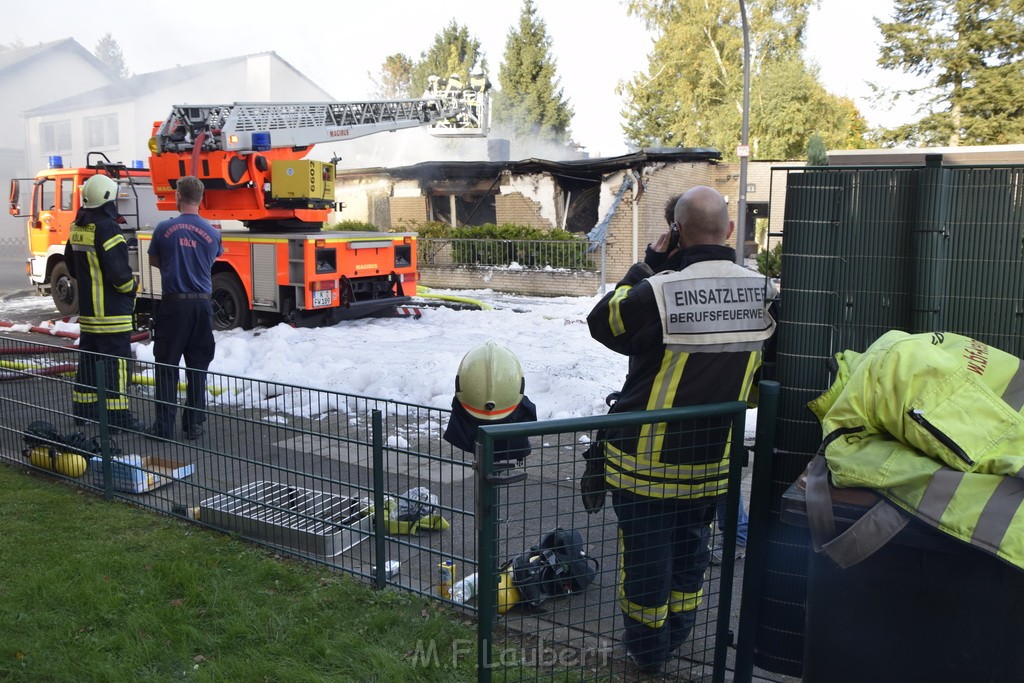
[316, 474]
[866, 250]
[576, 637]
[302, 470]
[574, 254]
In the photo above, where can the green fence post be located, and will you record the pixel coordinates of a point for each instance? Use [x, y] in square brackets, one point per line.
[486, 544]
[489, 478]
[930, 243]
[737, 458]
[101, 404]
[379, 545]
[757, 538]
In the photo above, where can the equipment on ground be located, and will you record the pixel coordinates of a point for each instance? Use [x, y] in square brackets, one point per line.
[556, 566]
[47, 449]
[250, 158]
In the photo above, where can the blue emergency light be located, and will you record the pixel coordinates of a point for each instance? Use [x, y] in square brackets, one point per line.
[137, 163]
[55, 161]
[260, 142]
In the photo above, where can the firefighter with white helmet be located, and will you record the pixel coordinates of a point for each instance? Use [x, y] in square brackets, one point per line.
[97, 258]
[489, 389]
[490, 382]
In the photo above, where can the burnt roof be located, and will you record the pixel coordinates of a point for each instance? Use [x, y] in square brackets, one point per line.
[589, 169]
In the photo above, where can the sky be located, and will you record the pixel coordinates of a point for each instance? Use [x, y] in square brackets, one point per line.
[567, 373]
[337, 44]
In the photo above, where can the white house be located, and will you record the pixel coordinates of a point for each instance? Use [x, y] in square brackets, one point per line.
[30, 77]
[117, 119]
[61, 100]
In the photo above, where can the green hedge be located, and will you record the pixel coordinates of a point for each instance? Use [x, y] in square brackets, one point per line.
[353, 226]
[500, 245]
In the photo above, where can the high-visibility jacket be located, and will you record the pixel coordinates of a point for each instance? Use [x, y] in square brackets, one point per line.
[934, 423]
[693, 336]
[97, 258]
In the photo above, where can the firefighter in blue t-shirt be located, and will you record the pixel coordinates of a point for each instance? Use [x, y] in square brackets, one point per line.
[184, 249]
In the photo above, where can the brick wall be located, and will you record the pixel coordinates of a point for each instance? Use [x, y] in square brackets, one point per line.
[407, 209]
[516, 209]
[659, 185]
[526, 282]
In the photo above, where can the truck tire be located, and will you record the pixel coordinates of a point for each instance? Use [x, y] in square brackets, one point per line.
[230, 304]
[64, 290]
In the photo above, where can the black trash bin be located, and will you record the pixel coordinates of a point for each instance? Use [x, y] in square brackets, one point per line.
[925, 607]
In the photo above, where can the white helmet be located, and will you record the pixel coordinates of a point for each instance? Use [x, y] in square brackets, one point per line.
[490, 382]
[98, 190]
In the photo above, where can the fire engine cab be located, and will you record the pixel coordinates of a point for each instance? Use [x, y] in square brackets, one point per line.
[279, 263]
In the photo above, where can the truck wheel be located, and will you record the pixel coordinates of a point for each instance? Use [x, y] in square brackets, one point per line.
[230, 304]
[64, 290]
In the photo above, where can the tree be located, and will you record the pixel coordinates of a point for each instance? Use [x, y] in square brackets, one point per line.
[817, 155]
[454, 52]
[692, 93]
[531, 103]
[109, 52]
[15, 44]
[395, 78]
[972, 53]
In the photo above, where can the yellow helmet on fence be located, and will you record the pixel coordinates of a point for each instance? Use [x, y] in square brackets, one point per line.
[490, 383]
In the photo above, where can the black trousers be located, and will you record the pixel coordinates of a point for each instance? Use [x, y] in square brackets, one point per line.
[182, 328]
[85, 402]
[663, 557]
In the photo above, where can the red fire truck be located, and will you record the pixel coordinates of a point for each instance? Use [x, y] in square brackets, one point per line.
[281, 264]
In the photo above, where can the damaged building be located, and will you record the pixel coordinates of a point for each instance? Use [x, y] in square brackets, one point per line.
[618, 201]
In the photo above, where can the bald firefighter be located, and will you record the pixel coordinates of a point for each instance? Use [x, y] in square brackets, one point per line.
[694, 334]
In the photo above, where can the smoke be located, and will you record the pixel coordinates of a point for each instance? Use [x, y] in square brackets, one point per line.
[418, 145]
[401, 148]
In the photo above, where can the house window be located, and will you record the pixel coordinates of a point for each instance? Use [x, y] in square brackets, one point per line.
[55, 136]
[101, 131]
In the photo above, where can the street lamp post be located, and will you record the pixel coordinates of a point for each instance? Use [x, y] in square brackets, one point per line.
[744, 149]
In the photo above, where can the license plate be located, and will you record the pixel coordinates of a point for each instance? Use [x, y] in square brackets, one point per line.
[321, 298]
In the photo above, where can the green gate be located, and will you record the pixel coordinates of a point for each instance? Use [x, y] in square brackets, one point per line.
[867, 250]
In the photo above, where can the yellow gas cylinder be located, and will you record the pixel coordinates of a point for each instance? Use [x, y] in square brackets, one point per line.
[70, 464]
[508, 595]
[39, 456]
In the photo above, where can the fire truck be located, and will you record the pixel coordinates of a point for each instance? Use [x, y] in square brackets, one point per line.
[280, 264]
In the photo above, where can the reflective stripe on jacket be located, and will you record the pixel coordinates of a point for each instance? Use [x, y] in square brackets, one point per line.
[935, 423]
[687, 346]
[97, 257]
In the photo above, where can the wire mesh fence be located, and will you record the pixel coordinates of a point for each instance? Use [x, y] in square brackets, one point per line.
[679, 580]
[574, 254]
[302, 470]
[369, 487]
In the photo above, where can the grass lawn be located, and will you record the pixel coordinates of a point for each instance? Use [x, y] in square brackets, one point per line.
[95, 590]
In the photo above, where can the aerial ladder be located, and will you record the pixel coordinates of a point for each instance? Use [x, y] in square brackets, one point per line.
[250, 157]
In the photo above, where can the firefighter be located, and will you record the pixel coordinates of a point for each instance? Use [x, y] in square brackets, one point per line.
[489, 389]
[694, 334]
[184, 249]
[97, 258]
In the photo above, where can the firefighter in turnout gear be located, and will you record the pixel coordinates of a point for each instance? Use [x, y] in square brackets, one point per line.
[489, 389]
[97, 258]
[694, 334]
